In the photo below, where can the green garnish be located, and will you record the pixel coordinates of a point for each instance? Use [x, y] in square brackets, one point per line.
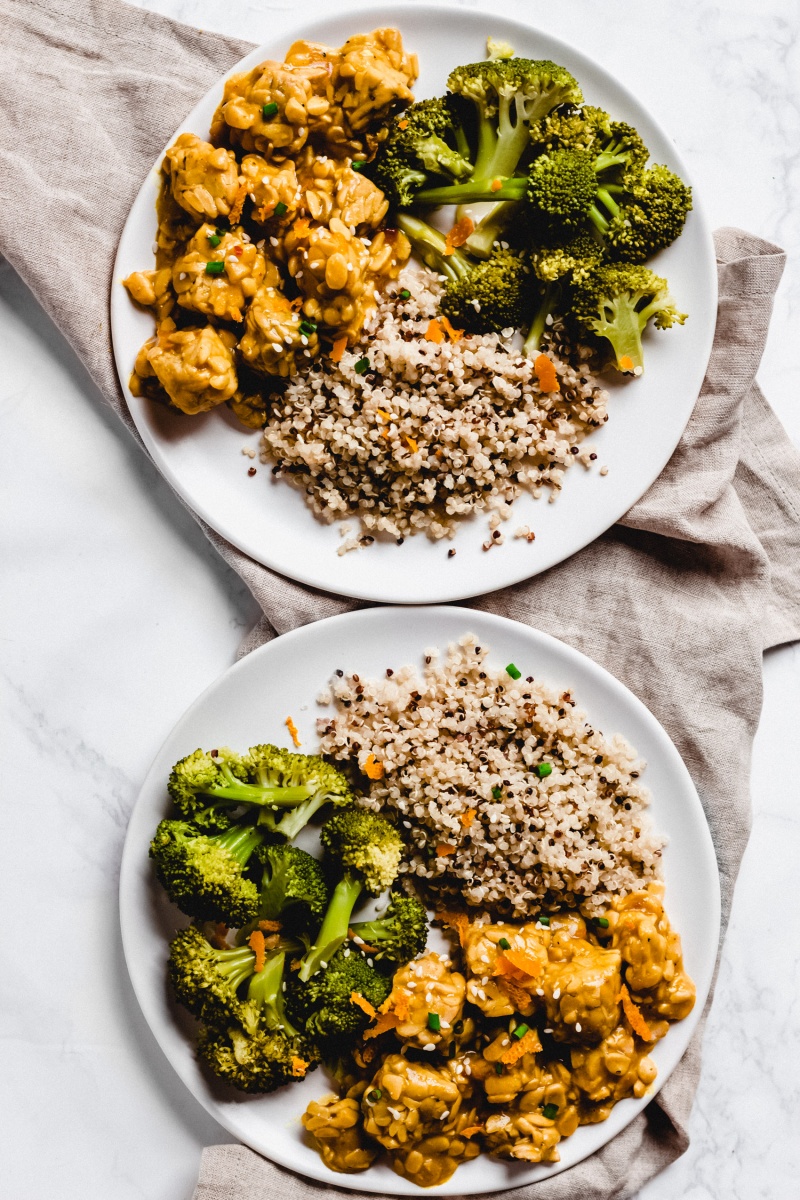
[544, 921]
[602, 922]
[550, 1111]
[513, 671]
[434, 1023]
[520, 1031]
[214, 239]
[359, 164]
[498, 1067]
[497, 792]
[280, 209]
[375, 1095]
[504, 944]
[308, 327]
[544, 769]
[269, 110]
[215, 268]
[361, 366]
[405, 294]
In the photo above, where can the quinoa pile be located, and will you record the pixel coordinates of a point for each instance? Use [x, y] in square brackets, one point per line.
[406, 434]
[459, 749]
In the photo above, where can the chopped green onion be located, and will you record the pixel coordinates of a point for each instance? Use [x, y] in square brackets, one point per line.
[434, 1023]
[497, 792]
[214, 239]
[308, 327]
[602, 922]
[215, 268]
[405, 294]
[550, 1111]
[498, 1067]
[280, 209]
[521, 1030]
[375, 1095]
[359, 164]
[361, 366]
[513, 671]
[269, 110]
[543, 770]
[544, 920]
[504, 944]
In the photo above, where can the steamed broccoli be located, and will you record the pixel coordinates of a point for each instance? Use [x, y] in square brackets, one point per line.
[256, 1063]
[367, 848]
[566, 257]
[616, 302]
[206, 979]
[507, 96]
[324, 1004]
[495, 295]
[267, 777]
[400, 934]
[646, 217]
[204, 875]
[426, 139]
[293, 886]
[431, 246]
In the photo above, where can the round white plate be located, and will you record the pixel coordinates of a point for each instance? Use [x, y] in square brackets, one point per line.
[250, 703]
[202, 456]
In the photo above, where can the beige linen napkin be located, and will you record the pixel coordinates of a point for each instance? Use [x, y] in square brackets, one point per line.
[678, 601]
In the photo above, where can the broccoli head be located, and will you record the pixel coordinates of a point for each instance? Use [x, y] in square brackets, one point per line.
[204, 875]
[254, 1063]
[567, 257]
[616, 302]
[397, 936]
[649, 216]
[571, 128]
[193, 780]
[367, 849]
[494, 295]
[425, 139]
[206, 979]
[324, 1003]
[296, 785]
[293, 887]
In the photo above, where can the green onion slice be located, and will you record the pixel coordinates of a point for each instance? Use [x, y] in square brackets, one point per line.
[550, 1111]
[308, 327]
[357, 166]
[544, 769]
[497, 792]
[405, 294]
[513, 671]
[504, 944]
[214, 239]
[521, 1030]
[602, 922]
[375, 1094]
[269, 110]
[215, 268]
[280, 209]
[544, 921]
[434, 1022]
[361, 366]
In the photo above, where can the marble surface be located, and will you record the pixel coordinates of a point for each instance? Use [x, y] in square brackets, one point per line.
[97, 668]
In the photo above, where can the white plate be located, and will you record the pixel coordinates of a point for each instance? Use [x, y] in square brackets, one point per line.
[250, 703]
[202, 456]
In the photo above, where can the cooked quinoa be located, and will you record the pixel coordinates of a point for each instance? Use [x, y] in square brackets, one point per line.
[407, 434]
[459, 748]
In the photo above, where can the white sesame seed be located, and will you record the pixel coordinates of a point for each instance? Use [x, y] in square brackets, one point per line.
[429, 1046]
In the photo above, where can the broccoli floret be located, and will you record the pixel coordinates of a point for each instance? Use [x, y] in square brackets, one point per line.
[648, 216]
[570, 127]
[367, 849]
[494, 295]
[193, 781]
[293, 887]
[206, 979]
[569, 257]
[431, 246]
[507, 96]
[269, 778]
[400, 934]
[324, 1004]
[204, 875]
[426, 139]
[616, 302]
[259, 1063]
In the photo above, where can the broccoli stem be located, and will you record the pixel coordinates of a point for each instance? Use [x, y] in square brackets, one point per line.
[235, 964]
[431, 245]
[622, 326]
[255, 794]
[475, 190]
[548, 304]
[240, 841]
[297, 818]
[333, 932]
[265, 994]
[490, 227]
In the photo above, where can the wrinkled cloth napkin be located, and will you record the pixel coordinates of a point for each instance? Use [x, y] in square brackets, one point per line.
[679, 600]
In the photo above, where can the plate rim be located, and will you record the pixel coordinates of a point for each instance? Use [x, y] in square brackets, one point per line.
[129, 914]
[440, 588]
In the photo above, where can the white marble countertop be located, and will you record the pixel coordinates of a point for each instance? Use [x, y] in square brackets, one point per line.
[99, 665]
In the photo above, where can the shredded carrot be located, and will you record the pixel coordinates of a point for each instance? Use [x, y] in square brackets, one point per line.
[385, 1022]
[458, 921]
[301, 227]
[635, 1018]
[290, 725]
[453, 334]
[466, 818]
[528, 1044]
[299, 1066]
[546, 374]
[372, 768]
[402, 124]
[459, 234]
[238, 203]
[385, 433]
[296, 304]
[387, 416]
[269, 926]
[520, 961]
[515, 992]
[365, 1006]
[434, 332]
[470, 1131]
[256, 944]
[338, 349]
[626, 363]
[495, 185]
[296, 964]
[396, 1002]
[443, 850]
[411, 443]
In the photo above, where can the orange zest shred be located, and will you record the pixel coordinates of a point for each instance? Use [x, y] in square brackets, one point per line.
[365, 1006]
[290, 725]
[397, 1003]
[256, 944]
[443, 850]
[528, 1044]
[495, 185]
[402, 124]
[626, 363]
[453, 334]
[385, 432]
[458, 921]
[387, 416]
[411, 443]
[238, 203]
[466, 818]
[459, 234]
[301, 227]
[296, 304]
[385, 1022]
[296, 964]
[520, 961]
[515, 992]
[434, 333]
[269, 926]
[299, 1066]
[372, 768]
[338, 349]
[546, 374]
[470, 1131]
[635, 1018]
